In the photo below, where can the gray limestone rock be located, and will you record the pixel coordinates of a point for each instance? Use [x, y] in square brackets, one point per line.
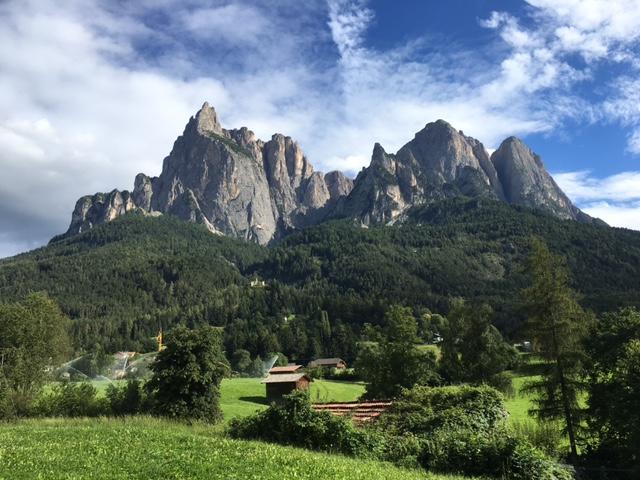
[235, 184]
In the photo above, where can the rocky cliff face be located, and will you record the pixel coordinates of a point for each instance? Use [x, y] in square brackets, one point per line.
[236, 184]
[441, 163]
[227, 180]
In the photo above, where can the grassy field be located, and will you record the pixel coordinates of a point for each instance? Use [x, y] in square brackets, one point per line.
[243, 396]
[145, 448]
[518, 406]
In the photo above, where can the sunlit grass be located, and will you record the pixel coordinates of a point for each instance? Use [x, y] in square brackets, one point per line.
[145, 448]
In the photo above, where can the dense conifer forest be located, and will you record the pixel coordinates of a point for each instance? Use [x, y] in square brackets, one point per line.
[123, 281]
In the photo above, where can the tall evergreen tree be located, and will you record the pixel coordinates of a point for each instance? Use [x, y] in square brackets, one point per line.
[614, 392]
[557, 325]
[473, 350]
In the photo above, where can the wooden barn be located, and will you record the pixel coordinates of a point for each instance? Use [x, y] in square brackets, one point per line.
[328, 363]
[280, 384]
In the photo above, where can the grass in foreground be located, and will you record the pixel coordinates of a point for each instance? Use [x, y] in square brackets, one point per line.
[143, 448]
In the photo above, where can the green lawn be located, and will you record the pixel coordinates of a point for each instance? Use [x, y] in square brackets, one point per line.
[146, 448]
[243, 396]
[518, 406]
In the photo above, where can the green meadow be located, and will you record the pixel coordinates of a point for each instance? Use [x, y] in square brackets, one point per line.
[146, 448]
[243, 396]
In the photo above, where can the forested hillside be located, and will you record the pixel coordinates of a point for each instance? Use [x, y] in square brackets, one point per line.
[122, 281]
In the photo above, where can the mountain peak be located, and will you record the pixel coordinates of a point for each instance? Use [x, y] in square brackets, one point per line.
[207, 120]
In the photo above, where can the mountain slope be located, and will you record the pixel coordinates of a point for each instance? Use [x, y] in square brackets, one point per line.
[123, 280]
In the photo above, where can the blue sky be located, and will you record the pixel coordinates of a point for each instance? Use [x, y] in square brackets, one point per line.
[94, 91]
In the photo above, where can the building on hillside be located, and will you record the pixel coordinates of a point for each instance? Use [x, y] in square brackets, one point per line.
[285, 369]
[328, 363]
[280, 384]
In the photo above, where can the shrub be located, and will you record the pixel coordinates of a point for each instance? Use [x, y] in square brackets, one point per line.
[497, 454]
[461, 430]
[71, 400]
[294, 422]
[316, 372]
[546, 436]
[344, 374]
[404, 450]
[6, 408]
[503, 382]
[423, 410]
[127, 399]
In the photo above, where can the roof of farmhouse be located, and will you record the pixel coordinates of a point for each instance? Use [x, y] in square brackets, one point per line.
[285, 378]
[326, 361]
[285, 369]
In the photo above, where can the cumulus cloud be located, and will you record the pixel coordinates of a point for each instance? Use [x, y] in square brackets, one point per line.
[604, 34]
[615, 199]
[93, 92]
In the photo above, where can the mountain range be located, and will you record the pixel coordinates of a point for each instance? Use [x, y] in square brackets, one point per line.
[240, 186]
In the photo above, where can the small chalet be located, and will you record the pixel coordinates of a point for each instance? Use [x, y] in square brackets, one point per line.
[285, 369]
[328, 363]
[279, 384]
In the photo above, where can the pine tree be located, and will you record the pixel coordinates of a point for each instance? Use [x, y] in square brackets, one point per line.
[557, 325]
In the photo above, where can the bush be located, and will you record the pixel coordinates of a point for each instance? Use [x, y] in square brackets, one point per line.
[294, 422]
[461, 429]
[503, 382]
[423, 410]
[127, 399]
[71, 400]
[546, 436]
[344, 374]
[497, 454]
[316, 372]
[6, 408]
[404, 450]
[448, 429]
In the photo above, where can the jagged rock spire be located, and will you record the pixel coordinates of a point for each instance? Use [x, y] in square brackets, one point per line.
[207, 120]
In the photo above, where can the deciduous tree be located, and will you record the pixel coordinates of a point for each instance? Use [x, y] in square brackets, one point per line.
[395, 362]
[33, 339]
[187, 374]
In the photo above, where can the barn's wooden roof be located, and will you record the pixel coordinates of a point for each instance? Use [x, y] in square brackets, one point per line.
[359, 412]
[285, 369]
[285, 378]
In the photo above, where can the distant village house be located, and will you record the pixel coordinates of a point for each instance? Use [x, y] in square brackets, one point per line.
[328, 363]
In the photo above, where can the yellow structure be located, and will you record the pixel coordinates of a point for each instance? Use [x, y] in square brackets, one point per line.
[161, 346]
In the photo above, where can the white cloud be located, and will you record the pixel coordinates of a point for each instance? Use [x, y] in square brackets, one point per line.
[626, 215]
[223, 23]
[615, 199]
[582, 186]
